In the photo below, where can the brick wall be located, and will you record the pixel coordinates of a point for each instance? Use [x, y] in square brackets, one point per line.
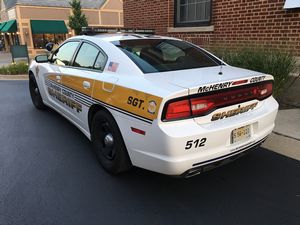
[147, 13]
[238, 22]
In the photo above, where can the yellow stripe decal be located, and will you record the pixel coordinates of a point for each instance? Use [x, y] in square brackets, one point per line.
[133, 101]
[130, 100]
[76, 83]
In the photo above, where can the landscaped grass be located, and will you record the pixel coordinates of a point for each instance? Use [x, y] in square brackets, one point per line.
[279, 64]
[14, 69]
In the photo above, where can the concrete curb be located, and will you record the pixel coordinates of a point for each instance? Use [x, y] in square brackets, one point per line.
[288, 123]
[14, 77]
[285, 138]
[283, 145]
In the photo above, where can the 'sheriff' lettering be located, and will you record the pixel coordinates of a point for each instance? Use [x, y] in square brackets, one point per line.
[64, 99]
[234, 112]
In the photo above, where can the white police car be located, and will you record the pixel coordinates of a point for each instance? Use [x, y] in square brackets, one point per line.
[155, 102]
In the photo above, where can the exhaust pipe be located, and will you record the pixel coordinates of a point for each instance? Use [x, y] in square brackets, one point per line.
[193, 172]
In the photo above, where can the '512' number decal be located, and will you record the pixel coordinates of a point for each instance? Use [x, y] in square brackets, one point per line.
[196, 143]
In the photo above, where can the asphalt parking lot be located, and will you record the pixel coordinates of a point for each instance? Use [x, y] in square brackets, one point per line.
[49, 175]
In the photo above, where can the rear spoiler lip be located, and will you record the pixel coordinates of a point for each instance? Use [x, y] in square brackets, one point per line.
[211, 87]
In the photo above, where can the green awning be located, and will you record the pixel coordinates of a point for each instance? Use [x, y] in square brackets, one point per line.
[48, 27]
[9, 27]
[2, 25]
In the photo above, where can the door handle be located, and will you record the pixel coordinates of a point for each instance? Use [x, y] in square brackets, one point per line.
[58, 78]
[86, 85]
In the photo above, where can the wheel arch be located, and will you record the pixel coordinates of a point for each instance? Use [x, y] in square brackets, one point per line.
[92, 111]
[30, 73]
[124, 157]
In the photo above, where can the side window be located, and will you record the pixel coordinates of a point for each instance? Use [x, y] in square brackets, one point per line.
[64, 54]
[86, 56]
[100, 61]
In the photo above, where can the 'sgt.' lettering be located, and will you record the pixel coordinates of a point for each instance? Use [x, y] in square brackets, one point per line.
[135, 102]
[196, 143]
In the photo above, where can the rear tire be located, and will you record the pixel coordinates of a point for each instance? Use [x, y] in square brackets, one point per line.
[108, 144]
[35, 93]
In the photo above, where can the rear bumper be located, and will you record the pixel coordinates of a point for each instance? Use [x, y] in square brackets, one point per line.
[220, 161]
[163, 148]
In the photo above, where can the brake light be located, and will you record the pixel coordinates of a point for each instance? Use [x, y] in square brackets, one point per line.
[178, 110]
[200, 106]
[265, 90]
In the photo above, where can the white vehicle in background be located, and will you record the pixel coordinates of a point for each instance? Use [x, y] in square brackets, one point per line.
[155, 102]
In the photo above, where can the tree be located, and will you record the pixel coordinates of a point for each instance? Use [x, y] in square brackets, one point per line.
[78, 19]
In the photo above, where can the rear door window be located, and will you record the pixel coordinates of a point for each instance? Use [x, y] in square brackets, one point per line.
[100, 61]
[90, 57]
[86, 56]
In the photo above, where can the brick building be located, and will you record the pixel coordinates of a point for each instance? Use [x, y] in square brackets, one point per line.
[270, 23]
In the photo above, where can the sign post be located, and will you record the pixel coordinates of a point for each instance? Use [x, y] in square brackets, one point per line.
[19, 51]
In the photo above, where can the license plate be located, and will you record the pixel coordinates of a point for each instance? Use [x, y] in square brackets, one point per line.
[240, 134]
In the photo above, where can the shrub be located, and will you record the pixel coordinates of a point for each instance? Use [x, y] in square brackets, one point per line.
[14, 69]
[279, 64]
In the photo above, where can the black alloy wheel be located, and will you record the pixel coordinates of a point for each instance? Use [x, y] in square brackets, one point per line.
[108, 143]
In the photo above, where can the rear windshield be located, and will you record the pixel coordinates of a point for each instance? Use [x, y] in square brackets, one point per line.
[161, 55]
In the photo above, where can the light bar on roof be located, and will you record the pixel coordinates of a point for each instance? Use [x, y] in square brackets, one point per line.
[103, 30]
[291, 4]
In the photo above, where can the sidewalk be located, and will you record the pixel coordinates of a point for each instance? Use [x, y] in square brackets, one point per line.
[285, 138]
[5, 59]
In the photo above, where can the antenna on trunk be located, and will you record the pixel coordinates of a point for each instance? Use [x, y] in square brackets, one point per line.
[221, 68]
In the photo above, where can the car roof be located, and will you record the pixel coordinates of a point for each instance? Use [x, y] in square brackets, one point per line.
[111, 37]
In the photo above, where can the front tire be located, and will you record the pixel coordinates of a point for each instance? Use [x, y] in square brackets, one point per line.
[35, 93]
[108, 144]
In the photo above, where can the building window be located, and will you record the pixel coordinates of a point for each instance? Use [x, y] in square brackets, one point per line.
[190, 13]
[40, 40]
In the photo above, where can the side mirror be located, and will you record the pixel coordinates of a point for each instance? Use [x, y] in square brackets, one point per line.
[49, 46]
[41, 59]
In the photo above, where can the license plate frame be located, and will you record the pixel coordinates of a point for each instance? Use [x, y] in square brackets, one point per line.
[240, 134]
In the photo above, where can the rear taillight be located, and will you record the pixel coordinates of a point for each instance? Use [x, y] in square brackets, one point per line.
[203, 105]
[178, 110]
[264, 90]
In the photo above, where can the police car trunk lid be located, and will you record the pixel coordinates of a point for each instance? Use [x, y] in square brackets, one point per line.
[211, 78]
[206, 83]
